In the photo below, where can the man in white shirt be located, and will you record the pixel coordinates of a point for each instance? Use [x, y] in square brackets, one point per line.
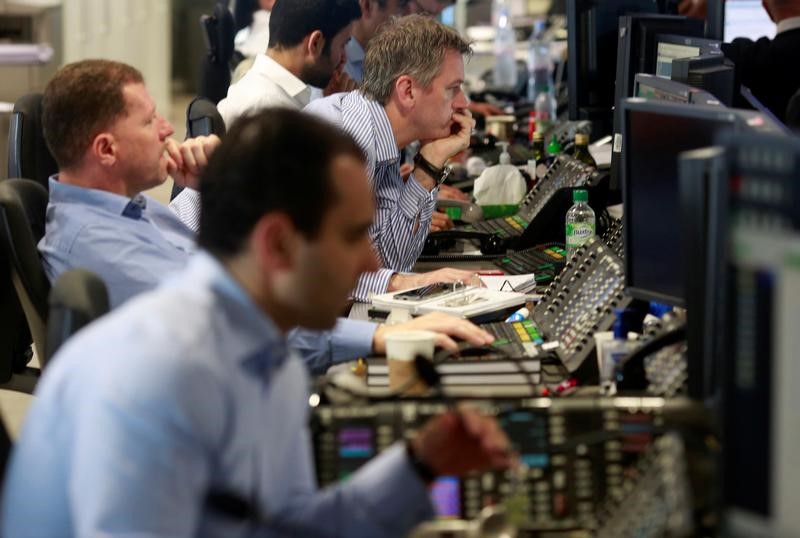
[306, 44]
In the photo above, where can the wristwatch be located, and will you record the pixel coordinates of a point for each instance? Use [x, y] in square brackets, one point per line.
[438, 174]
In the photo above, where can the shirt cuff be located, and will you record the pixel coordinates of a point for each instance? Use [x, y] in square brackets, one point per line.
[352, 338]
[186, 207]
[393, 491]
[372, 283]
[415, 198]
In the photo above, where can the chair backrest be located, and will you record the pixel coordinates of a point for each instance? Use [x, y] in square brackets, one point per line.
[219, 31]
[793, 112]
[23, 204]
[28, 154]
[202, 119]
[5, 449]
[77, 298]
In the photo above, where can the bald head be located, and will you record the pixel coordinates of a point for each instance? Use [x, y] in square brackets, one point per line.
[781, 9]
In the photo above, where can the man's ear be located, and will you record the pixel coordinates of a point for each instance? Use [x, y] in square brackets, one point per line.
[104, 149]
[366, 8]
[405, 90]
[315, 42]
[273, 242]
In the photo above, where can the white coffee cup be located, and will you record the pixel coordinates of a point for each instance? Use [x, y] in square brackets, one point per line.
[401, 349]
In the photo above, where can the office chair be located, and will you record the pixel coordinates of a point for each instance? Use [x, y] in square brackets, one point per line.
[22, 218]
[28, 154]
[202, 119]
[77, 298]
[5, 449]
[219, 31]
[793, 112]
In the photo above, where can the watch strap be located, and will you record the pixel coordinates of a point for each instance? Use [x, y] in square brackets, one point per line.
[438, 174]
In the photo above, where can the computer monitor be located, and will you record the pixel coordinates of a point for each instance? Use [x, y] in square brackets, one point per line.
[654, 87]
[636, 53]
[746, 18]
[654, 133]
[757, 217]
[592, 42]
[711, 72]
[637, 46]
[671, 47]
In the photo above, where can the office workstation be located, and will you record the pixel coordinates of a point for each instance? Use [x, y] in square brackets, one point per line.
[412, 268]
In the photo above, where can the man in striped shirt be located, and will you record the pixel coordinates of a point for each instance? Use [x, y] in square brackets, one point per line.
[411, 91]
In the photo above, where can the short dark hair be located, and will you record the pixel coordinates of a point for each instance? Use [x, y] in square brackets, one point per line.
[276, 160]
[80, 101]
[290, 21]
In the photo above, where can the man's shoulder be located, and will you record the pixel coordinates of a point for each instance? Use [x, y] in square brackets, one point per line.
[329, 107]
[252, 93]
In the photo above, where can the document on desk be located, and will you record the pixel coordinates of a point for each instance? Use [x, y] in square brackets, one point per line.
[518, 283]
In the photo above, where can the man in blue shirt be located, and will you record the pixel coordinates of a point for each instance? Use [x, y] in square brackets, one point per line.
[109, 142]
[411, 91]
[190, 392]
[373, 14]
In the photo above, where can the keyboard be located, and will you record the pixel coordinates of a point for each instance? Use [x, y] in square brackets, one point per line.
[545, 264]
[505, 227]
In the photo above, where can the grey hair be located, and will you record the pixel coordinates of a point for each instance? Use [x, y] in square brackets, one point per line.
[415, 46]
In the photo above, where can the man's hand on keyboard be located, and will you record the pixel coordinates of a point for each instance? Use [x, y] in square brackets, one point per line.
[446, 326]
[447, 274]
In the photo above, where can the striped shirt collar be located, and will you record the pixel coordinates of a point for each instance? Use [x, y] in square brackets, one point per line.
[360, 110]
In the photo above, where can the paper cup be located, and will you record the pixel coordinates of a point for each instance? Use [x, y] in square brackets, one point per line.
[401, 349]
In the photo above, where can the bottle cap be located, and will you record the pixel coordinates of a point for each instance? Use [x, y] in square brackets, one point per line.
[580, 195]
[582, 139]
[554, 147]
[538, 136]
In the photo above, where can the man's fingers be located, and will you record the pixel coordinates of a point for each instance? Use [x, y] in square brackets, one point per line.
[444, 341]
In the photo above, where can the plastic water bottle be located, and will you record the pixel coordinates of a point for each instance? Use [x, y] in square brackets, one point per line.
[540, 79]
[539, 62]
[580, 223]
[545, 106]
[505, 65]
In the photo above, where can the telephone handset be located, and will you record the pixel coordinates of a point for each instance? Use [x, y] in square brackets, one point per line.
[468, 212]
[490, 244]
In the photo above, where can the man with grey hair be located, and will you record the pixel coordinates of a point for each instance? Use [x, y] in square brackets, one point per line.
[413, 72]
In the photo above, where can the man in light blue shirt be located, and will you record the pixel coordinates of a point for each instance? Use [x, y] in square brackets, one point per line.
[413, 72]
[102, 127]
[373, 14]
[190, 392]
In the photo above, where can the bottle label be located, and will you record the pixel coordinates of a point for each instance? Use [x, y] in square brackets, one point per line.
[579, 233]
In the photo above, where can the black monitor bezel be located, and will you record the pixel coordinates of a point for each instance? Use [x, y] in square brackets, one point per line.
[576, 42]
[698, 112]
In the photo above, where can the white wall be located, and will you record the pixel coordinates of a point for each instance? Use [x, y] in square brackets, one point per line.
[136, 32]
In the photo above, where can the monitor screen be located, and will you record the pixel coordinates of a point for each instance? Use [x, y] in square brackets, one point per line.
[654, 134]
[747, 18]
[592, 41]
[651, 92]
[666, 52]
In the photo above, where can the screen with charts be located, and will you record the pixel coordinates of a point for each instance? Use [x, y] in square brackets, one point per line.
[666, 52]
[747, 18]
